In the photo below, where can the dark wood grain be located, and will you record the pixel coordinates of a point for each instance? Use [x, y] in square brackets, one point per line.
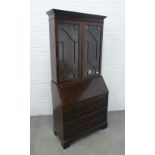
[71, 15]
[79, 104]
[79, 91]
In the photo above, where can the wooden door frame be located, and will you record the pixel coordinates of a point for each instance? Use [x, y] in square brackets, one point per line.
[82, 48]
[57, 22]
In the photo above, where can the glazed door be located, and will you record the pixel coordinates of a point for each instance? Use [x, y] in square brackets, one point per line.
[68, 42]
[92, 49]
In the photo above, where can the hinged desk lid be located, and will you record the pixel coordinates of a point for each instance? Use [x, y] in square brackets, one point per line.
[76, 92]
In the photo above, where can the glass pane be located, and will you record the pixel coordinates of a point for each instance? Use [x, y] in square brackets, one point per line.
[92, 49]
[68, 46]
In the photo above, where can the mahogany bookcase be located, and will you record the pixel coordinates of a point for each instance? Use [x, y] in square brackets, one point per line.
[79, 93]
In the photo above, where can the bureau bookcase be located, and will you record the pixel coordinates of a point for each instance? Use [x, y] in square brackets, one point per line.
[79, 93]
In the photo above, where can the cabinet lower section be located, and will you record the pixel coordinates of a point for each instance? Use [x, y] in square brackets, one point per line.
[75, 135]
[82, 118]
[79, 117]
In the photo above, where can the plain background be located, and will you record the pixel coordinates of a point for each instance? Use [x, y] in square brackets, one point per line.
[15, 77]
[113, 50]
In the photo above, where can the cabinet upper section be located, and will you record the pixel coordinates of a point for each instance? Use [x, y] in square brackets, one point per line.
[76, 45]
[61, 14]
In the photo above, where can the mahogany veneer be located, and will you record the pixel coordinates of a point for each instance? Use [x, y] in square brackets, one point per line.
[79, 93]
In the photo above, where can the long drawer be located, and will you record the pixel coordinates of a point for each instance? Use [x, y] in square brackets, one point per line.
[79, 109]
[92, 124]
[85, 118]
[82, 128]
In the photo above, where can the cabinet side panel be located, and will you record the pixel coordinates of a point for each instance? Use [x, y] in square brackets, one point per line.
[57, 111]
[53, 49]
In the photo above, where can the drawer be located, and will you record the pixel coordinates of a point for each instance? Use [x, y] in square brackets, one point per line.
[72, 124]
[71, 112]
[71, 116]
[84, 104]
[102, 99]
[92, 124]
[93, 115]
[72, 108]
[94, 107]
[79, 109]
[82, 128]
[84, 119]
[84, 124]
[83, 111]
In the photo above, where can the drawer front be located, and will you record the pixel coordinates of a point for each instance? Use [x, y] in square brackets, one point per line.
[72, 116]
[72, 124]
[92, 124]
[84, 104]
[91, 102]
[93, 115]
[86, 127]
[79, 109]
[84, 119]
[72, 108]
[94, 107]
